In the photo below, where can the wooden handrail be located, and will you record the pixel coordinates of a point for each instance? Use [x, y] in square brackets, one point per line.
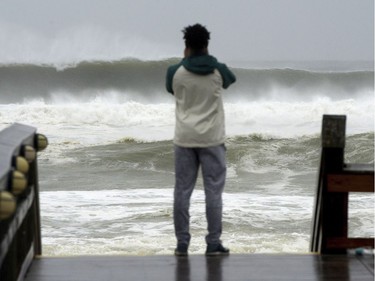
[20, 234]
[336, 180]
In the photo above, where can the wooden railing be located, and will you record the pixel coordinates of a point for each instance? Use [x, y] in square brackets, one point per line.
[336, 180]
[20, 238]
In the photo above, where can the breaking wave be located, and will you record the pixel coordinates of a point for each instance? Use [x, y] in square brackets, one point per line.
[144, 81]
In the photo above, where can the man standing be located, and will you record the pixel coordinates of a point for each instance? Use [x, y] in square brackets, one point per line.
[197, 82]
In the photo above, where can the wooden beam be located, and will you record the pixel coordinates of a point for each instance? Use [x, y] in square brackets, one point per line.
[349, 243]
[350, 183]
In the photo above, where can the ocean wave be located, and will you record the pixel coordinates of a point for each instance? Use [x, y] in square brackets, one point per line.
[100, 122]
[140, 80]
[119, 191]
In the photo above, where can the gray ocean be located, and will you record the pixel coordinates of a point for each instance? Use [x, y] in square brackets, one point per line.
[106, 179]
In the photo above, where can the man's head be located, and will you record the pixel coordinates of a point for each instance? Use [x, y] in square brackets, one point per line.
[196, 37]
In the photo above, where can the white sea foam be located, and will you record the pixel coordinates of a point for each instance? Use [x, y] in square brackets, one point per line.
[290, 119]
[104, 120]
[139, 222]
[130, 222]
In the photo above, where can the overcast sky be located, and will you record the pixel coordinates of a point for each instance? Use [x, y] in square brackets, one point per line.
[240, 30]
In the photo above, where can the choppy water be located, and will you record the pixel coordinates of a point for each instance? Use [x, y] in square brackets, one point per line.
[107, 176]
[117, 198]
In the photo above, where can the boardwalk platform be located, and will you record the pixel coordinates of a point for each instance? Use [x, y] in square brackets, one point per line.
[195, 268]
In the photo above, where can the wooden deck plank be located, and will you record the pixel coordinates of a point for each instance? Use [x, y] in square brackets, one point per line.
[195, 267]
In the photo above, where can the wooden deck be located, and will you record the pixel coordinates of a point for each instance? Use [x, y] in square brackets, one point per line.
[195, 267]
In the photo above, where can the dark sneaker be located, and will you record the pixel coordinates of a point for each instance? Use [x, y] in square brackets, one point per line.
[181, 250]
[216, 250]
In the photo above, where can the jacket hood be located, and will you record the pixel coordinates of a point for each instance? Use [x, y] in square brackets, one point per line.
[200, 64]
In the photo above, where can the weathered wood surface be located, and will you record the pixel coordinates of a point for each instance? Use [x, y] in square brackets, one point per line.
[350, 183]
[198, 267]
[353, 178]
[336, 180]
[349, 243]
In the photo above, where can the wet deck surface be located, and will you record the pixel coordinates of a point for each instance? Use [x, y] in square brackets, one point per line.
[195, 267]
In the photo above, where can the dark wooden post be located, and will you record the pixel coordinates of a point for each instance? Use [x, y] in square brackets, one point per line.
[335, 210]
[327, 213]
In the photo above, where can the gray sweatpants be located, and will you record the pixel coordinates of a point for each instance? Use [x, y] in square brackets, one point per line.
[187, 162]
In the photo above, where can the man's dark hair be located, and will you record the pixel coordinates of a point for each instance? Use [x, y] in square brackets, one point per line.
[196, 37]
